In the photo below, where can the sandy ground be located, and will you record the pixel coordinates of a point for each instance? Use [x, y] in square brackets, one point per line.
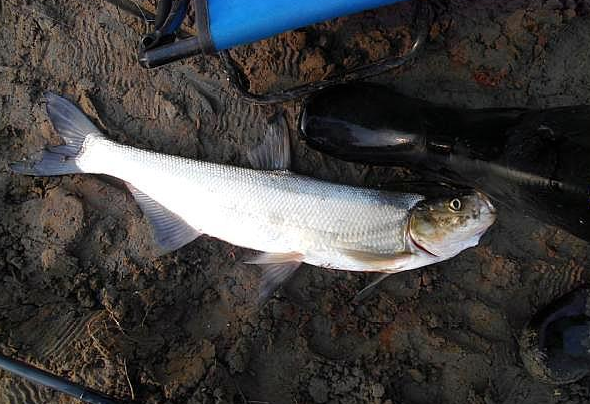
[81, 296]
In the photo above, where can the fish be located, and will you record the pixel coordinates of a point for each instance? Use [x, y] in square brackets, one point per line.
[291, 219]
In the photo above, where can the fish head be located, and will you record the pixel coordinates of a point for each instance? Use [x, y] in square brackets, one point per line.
[446, 226]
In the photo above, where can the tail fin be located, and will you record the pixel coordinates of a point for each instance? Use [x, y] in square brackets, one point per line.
[73, 127]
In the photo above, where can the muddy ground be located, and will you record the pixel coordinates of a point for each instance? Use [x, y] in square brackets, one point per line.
[81, 295]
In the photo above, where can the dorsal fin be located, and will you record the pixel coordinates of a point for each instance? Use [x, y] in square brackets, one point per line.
[275, 151]
[170, 231]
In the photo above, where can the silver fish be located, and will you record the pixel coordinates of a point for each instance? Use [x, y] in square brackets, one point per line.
[291, 218]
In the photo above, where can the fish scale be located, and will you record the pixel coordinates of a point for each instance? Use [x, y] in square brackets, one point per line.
[273, 211]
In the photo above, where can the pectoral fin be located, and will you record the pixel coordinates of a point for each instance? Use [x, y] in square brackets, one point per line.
[380, 262]
[387, 263]
[370, 288]
[277, 269]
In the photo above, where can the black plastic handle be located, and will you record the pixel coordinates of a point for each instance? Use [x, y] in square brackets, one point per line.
[168, 53]
[57, 383]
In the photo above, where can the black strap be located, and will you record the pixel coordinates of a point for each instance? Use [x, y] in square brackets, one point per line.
[201, 8]
[162, 10]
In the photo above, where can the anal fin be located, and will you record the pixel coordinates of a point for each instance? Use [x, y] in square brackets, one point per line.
[170, 231]
[277, 269]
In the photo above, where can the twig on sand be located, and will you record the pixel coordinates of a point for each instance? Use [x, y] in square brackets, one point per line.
[147, 311]
[112, 316]
[99, 347]
[128, 380]
[116, 321]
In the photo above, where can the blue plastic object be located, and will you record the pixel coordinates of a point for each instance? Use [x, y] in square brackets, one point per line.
[238, 22]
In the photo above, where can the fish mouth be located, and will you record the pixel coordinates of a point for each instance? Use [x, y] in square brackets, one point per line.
[487, 203]
[480, 233]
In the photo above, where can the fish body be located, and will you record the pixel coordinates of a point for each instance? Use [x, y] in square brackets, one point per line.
[291, 218]
[275, 211]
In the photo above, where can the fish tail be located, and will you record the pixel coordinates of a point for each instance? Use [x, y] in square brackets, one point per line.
[74, 128]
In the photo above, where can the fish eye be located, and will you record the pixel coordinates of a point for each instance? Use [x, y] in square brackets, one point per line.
[455, 205]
